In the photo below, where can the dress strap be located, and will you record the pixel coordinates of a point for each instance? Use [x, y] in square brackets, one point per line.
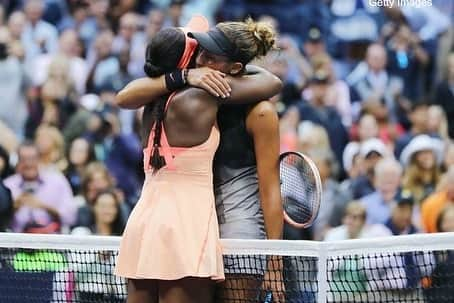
[165, 149]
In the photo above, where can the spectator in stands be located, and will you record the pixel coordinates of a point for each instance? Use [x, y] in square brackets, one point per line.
[33, 191]
[444, 95]
[38, 36]
[316, 111]
[114, 84]
[84, 119]
[427, 23]
[365, 129]
[13, 111]
[16, 25]
[121, 153]
[374, 82]
[387, 178]
[353, 166]
[400, 222]
[92, 25]
[107, 216]
[130, 38]
[405, 58]
[57, 98]
[280, 66]
[418, 120]
[68, 45]
[77, 14]
[314, 44]
[80, 154]
[298, 71]
[437, 122]
[104, 63]
[371, 151]
[442, 278]
[333, 199]
[51, 147]
[116, 9]
[354, 225]
[54, 11]
[155, 22]
[311, 137]
[338, 95]
[388, 130]
[421, 159]
[174, 13]
[95, 180]
[432, 206]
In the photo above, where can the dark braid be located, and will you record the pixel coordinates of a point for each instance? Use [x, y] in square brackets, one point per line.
[158, 161]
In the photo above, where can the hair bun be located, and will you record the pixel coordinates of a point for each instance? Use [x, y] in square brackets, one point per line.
[152, 70]
[264, 34]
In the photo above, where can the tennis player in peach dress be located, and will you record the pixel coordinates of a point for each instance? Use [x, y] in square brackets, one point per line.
[170, 248]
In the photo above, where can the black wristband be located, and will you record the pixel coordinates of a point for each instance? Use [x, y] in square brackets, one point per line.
[174, 80]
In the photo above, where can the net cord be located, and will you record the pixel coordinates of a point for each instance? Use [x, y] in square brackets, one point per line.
[395, 244]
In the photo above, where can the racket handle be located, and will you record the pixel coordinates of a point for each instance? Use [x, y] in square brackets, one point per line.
[268, 297]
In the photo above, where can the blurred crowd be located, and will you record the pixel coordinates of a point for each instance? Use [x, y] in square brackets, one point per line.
[368, 95]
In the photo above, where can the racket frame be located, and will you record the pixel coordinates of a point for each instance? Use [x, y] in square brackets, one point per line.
[318, 189]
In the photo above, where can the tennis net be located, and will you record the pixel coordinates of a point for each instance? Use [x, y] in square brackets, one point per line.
[416, 268]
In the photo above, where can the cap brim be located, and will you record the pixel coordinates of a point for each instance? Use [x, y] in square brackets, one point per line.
[207, 42]
[197, 24]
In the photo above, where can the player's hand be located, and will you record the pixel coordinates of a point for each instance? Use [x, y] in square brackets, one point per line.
[274, 279]
[211, 80]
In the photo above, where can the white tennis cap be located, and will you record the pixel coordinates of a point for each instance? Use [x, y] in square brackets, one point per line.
[373, 145]
[420, 143]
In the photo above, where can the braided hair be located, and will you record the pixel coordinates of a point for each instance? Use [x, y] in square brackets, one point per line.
[162, 56]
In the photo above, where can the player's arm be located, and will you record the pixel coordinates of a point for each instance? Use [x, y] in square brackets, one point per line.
[140, 92]
[145, 90]
[263, 124]
[258, 84]
[255, 85]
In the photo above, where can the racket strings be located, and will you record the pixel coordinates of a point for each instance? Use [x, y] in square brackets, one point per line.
[299, 189]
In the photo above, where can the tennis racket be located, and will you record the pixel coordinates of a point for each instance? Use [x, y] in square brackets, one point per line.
[301, 189]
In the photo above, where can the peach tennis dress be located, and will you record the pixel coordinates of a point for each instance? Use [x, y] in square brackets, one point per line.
[172, 232]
